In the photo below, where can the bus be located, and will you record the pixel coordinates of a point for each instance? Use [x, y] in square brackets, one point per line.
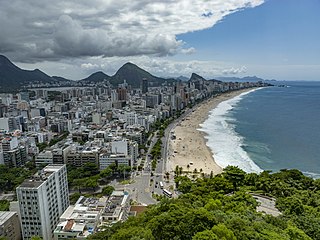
[167, 193]
[161, 185]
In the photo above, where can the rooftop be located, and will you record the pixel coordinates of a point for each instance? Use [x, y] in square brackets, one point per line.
[4, 216]
[39, 178]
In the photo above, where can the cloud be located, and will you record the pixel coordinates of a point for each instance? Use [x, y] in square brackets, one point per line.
[188, 51]
[89, 66]
[233, 71]
[163, 67]
[34, 30]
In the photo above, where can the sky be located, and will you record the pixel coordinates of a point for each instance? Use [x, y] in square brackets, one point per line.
[272, 39]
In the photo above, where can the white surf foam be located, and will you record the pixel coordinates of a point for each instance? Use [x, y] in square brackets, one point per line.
[222, 139]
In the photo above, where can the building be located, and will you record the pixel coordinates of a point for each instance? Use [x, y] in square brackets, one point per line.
[117, 208]
[79, 157]
[152, 100]
[80, 220]
[16, 157]
[42, 200]
[44, 158]
[106, 160]
[122, 94]
[119, 147]
[96, 118]
[144, 85]
[10, 226]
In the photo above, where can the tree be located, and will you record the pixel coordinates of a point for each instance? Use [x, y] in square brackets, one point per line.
[90, 169]
[91, 183]
[80, 183]
[36, 238]
[4, 205]
[223, 232]
[134, 233]
[106, 173]
[74, 197]
[123, 169]
[180, 170]
[205, 235]
[176, 171]
[167, 175]
[107, 190]
[296, 233]
[235, 175]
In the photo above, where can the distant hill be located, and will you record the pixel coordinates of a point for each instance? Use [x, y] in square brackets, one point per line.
[129, 72]
[96, 77]
[133, 75]
[13, 77]
[61, 79]
[195, 77]
[243, 79]
[182, 78]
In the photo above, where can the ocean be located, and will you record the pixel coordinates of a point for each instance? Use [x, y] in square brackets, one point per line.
[268, 128]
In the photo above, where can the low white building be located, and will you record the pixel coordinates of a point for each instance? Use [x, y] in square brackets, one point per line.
[117, 208]
[80, 220]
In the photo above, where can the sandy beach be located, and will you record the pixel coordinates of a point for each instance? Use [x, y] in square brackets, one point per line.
[189, 147]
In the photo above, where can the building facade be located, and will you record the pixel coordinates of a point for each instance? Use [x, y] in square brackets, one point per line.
[10, 226]
[42, 200]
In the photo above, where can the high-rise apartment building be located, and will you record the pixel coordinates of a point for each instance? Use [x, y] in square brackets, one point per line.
[42, 200]
[144, 85]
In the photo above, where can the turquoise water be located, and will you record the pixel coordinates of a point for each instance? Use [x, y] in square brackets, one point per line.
[269, 129]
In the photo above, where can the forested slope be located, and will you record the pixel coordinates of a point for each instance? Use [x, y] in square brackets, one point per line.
[222, 207]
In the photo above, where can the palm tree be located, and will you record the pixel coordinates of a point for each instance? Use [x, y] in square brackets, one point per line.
[180, 170]
[167, 175]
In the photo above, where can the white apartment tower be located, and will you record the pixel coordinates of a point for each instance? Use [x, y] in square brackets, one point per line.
[42, 200]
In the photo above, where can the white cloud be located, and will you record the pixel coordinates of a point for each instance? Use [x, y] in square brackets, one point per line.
[234, 71]
[163, 67]
[188, 51]
[89, 66]
[50, 30]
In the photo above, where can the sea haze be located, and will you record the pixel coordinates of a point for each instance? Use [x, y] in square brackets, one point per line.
[268, 129]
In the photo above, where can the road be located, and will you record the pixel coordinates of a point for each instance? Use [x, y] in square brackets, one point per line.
[141, 188]
[146, 182]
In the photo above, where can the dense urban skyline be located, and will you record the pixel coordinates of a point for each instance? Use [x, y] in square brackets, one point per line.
[270, 39]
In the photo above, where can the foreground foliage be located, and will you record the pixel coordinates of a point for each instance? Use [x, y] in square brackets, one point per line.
[221, 207]
[12, 177]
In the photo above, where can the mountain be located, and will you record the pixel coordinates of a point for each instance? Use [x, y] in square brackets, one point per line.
[129, 72]
[182, 78]
[134, 74]
[61, 79]
[96, 77]
[13, 77]
[243, 79]
[196, 77]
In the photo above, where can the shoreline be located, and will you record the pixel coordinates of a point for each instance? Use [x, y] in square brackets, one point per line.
[189, 149]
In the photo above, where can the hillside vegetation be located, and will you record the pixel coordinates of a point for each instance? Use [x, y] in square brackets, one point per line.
[222, 207]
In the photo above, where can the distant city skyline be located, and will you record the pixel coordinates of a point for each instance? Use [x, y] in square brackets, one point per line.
[270, 39]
